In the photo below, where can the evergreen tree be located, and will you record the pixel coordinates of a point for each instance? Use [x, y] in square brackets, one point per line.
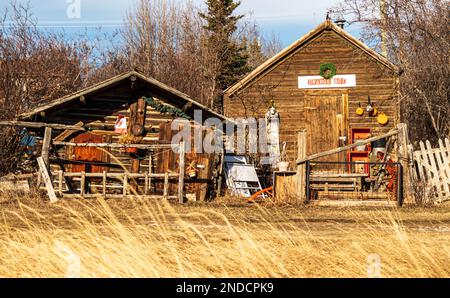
[230, 57]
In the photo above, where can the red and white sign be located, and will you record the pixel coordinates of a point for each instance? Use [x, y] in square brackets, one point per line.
[120, 126]
[318, 82]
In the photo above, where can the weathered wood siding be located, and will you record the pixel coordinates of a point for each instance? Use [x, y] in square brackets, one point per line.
[281, 85]
[102, 114]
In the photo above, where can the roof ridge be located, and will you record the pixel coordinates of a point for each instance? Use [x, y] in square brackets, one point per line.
[328, 24]
[152, 81]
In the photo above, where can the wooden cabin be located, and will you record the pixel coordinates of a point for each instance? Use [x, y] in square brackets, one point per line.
[326, 108]
[117, 134]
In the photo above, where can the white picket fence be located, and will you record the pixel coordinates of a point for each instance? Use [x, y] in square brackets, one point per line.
[433, 169]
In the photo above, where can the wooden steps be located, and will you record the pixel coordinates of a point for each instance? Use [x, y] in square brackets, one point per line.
[354, 203]
[336, 182]
[329, 187]
[340, 195]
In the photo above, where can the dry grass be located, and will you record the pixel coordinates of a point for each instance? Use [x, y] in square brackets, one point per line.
[156, 239]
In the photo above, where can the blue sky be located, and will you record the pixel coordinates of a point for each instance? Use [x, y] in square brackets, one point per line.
[289, 19]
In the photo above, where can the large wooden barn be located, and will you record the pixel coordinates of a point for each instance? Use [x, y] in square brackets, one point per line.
[117, 134]
[326, 107]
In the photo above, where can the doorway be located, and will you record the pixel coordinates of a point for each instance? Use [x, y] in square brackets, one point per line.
[326, 121]
[86, 157]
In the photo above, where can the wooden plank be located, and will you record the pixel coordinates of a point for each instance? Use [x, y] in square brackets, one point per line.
[46, 146]
[41, 125]
[104, 180]
[204, 174]
[340, 180]
[83, 184]
[67, 133]
[60, 182]
[150, 171]
[302, 139]
[135, 165]
[39, 180]
[427, 161]
[442, 169]
[181, 172]
[404, 159]
[285, 187]
[445, 158]
[434, 166]
[146, 183]
[115, 196]
[422, 162]
[120, 175]
[115, 145]
[166, 186]
[348, 147]
[43, 170]
[125, 184]
[419, 160]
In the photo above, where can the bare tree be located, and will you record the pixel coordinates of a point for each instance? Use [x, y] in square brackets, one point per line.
[415, 35]
[164, 41]
[34, 68]
[169, 42]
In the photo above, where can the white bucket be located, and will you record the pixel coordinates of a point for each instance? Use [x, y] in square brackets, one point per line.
[283, 166]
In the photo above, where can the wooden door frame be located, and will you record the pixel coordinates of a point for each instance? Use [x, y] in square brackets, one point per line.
[344, 130]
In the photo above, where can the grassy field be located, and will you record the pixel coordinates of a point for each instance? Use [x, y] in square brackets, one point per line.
[227, 238]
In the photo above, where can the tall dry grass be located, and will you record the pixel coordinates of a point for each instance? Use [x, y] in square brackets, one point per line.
[157, 239]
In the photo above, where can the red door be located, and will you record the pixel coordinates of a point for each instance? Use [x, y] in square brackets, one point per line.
[88, 154]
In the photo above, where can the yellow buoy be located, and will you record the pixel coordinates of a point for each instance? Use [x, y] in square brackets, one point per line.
[383, 119]
[359, 111]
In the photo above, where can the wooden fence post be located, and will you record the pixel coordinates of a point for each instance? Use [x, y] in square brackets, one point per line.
[125, 184]
[404, 159]
[43, 171]
[46, 146]
[181, 178]
[146, 183]
[45, 153]
[150, 171]
[301, 167]
[60, 183]
[83, 184]
[166, 186]
[104, 179]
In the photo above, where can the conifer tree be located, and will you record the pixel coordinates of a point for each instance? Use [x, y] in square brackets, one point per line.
[230, 57]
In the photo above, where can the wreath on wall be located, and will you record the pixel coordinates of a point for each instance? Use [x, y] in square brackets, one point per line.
[328, 70]
[165, 109]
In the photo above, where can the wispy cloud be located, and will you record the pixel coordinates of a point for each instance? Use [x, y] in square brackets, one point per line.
[287, 18]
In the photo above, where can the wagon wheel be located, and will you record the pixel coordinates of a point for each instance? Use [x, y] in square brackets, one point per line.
[268, 192]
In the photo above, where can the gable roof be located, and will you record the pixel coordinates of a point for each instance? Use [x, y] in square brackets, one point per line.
[179, 96]
[297, 44]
